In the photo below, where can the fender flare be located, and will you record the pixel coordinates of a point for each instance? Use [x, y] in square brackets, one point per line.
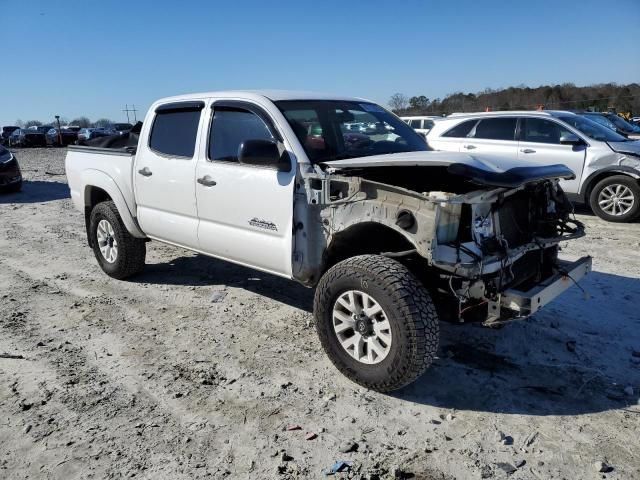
[590, 180]
[96, 178]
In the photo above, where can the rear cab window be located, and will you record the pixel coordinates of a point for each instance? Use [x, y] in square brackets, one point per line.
[175, 129]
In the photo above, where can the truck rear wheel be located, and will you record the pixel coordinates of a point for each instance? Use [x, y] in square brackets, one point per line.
[616, 199]
[119, 254]
[376, 322]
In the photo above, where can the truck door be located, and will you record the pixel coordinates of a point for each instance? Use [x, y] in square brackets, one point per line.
[164, 174]
[245, 211]
[540, 143]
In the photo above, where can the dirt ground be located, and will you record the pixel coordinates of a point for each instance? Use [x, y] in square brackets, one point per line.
[197, 367]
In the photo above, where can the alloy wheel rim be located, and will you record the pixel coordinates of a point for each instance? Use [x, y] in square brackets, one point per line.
[616, 199]
[107, 241]
[362, 327]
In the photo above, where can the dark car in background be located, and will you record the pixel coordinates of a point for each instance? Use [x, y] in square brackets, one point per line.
[122, 128]
[65, 137]
[614, 122]
[90, 133]
[10, 175]
[27, 137]
[6, 132]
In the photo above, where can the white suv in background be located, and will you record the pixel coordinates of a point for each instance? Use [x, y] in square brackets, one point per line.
[606, 164]
[421, 124]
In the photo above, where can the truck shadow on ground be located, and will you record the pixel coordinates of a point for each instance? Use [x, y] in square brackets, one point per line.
[573, 357]
[37, 191]
[526, 367]
[200, 270]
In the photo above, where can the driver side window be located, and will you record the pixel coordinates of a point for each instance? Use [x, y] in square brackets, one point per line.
[230, 128]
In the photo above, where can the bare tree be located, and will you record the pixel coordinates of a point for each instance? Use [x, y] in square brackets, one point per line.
[82, 122]
[19, 123]
[102, 122]
[398, 102]
[32, 123]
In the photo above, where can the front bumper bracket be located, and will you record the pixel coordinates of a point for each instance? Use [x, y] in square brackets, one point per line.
[525, 303]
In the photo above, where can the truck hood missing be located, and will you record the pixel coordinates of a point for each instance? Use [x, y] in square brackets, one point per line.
[483, 170]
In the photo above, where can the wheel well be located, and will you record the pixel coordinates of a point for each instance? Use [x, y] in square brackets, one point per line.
[591, 182]
[362, 239]
[92, 197]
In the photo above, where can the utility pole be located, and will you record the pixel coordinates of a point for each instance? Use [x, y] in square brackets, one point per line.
[59, 132]
[132, 110]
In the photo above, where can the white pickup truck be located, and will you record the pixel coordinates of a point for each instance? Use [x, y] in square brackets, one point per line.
[393, 237]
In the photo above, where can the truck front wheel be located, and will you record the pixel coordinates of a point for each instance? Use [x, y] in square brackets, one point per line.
[119, 254]
[376, 322]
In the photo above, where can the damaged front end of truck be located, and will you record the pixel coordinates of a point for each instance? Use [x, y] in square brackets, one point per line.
[482, 239]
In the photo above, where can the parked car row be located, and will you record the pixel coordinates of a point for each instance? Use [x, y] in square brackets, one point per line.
[48, 135]
[606, 165]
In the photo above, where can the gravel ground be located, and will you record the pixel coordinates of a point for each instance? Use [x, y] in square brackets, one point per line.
[199, 368]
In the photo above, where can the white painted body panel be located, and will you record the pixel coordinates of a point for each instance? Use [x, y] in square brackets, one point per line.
[247, 216]
[166, 200]
[109, 171]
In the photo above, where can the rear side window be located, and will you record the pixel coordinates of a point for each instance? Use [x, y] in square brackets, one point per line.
[539, 130]
[174, 131]
[461, 130]
[230, 128]
[415, 123]
[427, 124]
[496, 129]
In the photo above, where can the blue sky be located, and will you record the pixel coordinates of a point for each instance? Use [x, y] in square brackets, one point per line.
[73, 57]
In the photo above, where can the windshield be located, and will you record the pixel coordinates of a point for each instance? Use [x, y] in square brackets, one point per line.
[592, 129]
[602, 120]
[622, 124]
[333, 130]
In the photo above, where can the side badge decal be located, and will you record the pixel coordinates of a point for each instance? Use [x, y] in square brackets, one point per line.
[256, 222]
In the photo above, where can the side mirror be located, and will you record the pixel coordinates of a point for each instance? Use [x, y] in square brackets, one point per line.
[263, 153]
[570, 139]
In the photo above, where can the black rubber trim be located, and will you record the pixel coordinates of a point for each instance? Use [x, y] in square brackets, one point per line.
[251, 107]
[194, 106]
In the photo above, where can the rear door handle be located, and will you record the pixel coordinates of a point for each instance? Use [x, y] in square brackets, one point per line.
[469, 147]
[145, 172]
[528, 150]
[207, 181]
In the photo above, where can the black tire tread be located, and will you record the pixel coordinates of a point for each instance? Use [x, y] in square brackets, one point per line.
[409, 297]
[131, 252]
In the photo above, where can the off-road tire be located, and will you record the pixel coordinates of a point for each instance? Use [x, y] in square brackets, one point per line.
[131, 250]
[410, 311]
[630, 183]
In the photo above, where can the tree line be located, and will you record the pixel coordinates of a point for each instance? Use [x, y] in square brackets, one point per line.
[567, 96]
[82, 122]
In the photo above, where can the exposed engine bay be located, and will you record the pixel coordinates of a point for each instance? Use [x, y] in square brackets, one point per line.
[473, 237]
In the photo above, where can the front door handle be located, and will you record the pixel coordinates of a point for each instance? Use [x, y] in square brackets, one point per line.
[207, 181]
[145, 172]
[528, 150]
[469, 147]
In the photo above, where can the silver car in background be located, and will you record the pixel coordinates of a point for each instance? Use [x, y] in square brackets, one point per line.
[606, 165]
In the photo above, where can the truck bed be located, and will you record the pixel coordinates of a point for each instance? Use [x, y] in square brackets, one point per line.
[113, 165]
